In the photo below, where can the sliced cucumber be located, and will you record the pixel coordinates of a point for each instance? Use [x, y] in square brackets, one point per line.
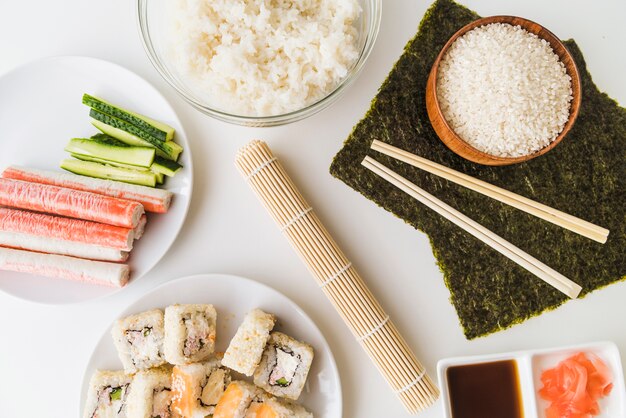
[93, 169]
[160, 177]
[155, 128]
[113, 163]
[108, 139]
[170, 150]
[102, 149]
[125, 126]
[163, 166]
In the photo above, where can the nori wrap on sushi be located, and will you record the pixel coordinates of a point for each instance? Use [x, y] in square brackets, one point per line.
[583, 176]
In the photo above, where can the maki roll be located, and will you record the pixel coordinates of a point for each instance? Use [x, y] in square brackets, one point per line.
[189, 333]
[284, 366]
[245, 349]
[139, 340]
[236, 400]
[269, 407]
[150, 394]
[107, 395]
[198, 387]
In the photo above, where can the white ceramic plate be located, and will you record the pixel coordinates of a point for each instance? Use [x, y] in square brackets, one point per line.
[40, 110]
[530, 365]
[233, 297]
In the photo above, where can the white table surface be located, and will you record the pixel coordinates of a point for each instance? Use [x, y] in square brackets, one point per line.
[44, 349]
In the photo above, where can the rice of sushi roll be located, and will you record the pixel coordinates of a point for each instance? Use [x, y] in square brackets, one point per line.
[245, 349]
[284, 366]
[150, 394]
[236, 400]
[270, 407]
[139, 340]
[107, 395]
[198, 387]
[189, 333]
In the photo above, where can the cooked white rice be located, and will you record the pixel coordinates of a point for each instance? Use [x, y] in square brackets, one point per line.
[263, 57]
[504, 90]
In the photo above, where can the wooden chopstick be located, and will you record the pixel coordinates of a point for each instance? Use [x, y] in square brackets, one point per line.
[547, 213]
[496, 242]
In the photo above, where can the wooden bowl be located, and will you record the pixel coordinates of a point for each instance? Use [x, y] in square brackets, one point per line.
[464, 149]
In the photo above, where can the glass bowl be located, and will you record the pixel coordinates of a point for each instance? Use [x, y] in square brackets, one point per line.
[152, 27]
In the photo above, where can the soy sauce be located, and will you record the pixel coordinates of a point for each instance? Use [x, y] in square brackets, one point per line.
[485, 390]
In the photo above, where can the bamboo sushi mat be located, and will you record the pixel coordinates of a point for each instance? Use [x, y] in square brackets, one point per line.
[583, 176]
[336, 277]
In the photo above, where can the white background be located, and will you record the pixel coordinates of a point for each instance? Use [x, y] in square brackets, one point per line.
[44, 349]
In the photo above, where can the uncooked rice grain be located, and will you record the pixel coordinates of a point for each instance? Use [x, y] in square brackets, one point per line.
[503, 90]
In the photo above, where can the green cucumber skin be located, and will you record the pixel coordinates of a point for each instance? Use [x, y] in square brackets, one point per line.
[138, 156]
[97, 170]
[170, 150]
[164, 166]
[125, 126]
[157, 129]
[108, 139]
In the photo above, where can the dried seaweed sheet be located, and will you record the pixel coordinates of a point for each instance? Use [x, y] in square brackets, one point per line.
[584, 176]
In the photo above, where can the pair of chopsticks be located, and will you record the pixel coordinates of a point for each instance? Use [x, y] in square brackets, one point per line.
[562, 219]
[509, 250]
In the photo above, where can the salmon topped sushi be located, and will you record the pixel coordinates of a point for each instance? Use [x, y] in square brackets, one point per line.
[197, 388]
[236, 400]
[266, 406]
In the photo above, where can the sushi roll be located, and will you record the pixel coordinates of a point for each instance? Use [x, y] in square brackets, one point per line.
[107, 396]
[150, 394]
[198, 387]
[189, 333]
[236, 400]
[269, 407]
[284, 366]
[245, 349]
[139, 340]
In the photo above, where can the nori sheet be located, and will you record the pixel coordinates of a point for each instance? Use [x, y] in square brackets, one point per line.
[583, 176]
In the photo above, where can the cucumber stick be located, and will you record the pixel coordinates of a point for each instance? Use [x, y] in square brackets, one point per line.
[163, 166]
[159, 177]
[93, 169]
[105, 150]
[170, 150]
[113, 163]
[125, 126]
[155, 128]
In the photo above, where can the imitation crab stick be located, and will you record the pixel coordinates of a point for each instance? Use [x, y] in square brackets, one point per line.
[63, 267]
[54, 246]
[141, 227]
[66, 229]
[70, 203]
[153, 200]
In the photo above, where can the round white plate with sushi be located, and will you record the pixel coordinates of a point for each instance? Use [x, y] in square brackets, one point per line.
[242, 309]
[42, 110]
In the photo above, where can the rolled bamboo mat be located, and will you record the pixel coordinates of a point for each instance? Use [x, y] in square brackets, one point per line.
[336, 276]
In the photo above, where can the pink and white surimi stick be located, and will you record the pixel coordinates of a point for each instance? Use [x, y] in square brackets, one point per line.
[63, 267]
[141, 227]
[68, 202]
[66, 229]
[153, 200]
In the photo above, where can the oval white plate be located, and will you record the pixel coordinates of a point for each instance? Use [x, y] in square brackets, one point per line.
[233, 297]
[41, 110]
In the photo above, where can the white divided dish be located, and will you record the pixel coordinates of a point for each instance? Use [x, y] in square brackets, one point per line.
[41, 110]
[530, 365]
[233, 297]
